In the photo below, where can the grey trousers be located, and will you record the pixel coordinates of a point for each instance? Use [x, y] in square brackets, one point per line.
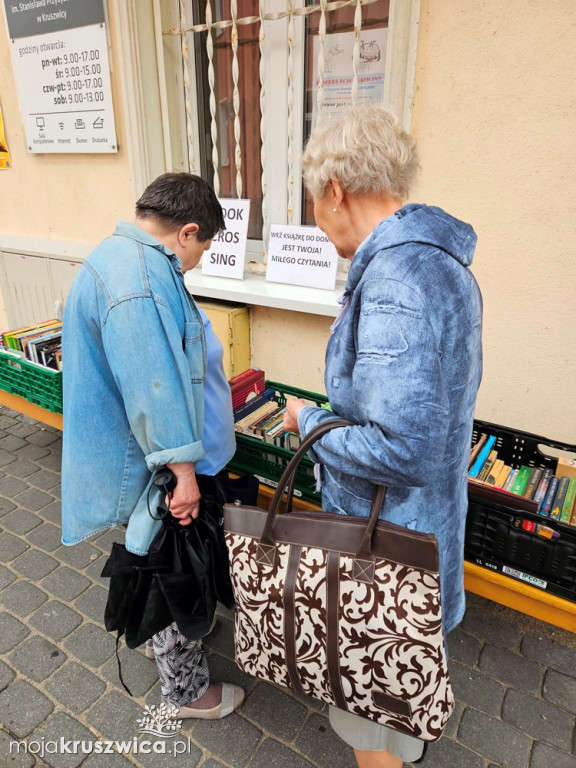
[181, 666]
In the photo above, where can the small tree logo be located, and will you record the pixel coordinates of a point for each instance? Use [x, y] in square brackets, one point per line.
[160, 721]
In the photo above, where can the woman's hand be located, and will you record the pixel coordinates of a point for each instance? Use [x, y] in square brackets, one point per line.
[184, 500]
[293, 407]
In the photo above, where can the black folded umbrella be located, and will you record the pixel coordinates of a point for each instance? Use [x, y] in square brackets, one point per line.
[185, 572]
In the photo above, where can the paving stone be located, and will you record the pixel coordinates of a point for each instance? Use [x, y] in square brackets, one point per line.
[511, 668]
[538, 718]
[23, 708]
[233, 739]
[112, 761]
[545, 756]
[560, 689]
[94, 570]
[115, 716]
[491, 628]
[221, 639]
[105, 540]
[494, 739]
[55, 619]
[549, 653]
[12, 632]
[211, 763]
[91, 644]
[6, 676]
[32, 452]
[75, 687]
[20, 427]
[14, 754]
[6, 459]
[6, 506]
[6, 577]
[274, 711]
[476, 688]
[44, 479]
[22, 468]
[181, 752]
[273, 754]
[22, 598]
[71, 740]
[225, 670]
[52, 513]
[46, 536]
[11, 486]
[138, 675]
[449, 754]
[92, 603]
[51, 461]
[318, 742]
[79, 555]
[464, 647]
[65, 583]
[20, 521]
[37, 658]
[34, 565]
[12, 443]
[44, 437]
[34, 499]
[11, 547]
[453, 723]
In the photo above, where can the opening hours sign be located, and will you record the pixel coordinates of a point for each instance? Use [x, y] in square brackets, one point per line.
[60, 58]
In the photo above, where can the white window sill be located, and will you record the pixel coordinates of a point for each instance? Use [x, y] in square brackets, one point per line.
[253, 289]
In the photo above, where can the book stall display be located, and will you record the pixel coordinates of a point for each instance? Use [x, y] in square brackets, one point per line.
[520, 545]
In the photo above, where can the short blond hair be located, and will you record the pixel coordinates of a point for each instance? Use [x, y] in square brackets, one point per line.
[366, 150]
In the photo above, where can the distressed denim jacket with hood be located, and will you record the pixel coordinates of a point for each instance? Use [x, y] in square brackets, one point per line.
[134, 355]
[404, 362]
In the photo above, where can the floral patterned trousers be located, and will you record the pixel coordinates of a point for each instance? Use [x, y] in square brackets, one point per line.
[181, 665]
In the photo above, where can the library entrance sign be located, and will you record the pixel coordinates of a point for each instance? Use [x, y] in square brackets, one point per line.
[60, 59]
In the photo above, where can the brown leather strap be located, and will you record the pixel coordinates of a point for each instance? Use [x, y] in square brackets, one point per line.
[290, 617]
[332, 628]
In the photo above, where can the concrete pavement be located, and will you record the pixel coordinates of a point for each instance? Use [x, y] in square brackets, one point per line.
[62, 705]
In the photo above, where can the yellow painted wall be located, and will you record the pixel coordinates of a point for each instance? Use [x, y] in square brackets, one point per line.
[494, 116]
[61, 197]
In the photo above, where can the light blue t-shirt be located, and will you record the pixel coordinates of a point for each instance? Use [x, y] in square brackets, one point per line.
[219, 440]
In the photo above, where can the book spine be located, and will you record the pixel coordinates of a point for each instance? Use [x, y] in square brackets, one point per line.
[488, 464]
[482, 456]
[495, 472]
[540, 493]
[568, 505]
[503, 476]
[549, 498]
[559, 498]
[521, 480]
[510, 479]
[476, 448]
[532, 483]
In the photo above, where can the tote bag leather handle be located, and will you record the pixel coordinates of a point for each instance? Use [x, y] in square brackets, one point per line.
[288, 478]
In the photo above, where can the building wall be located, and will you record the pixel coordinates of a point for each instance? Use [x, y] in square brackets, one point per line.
[494, 114]
[494, 117]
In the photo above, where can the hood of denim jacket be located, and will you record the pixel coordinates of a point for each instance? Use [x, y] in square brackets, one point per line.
[415, 223]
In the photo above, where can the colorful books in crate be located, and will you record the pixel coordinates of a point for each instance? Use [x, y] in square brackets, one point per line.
[553, 494]
[40, 343]
[246, 385]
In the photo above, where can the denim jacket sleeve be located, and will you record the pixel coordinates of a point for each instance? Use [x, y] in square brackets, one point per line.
[147, 356]
[396, 392]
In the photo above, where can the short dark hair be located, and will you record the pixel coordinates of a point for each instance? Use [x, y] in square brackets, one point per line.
[176, 199]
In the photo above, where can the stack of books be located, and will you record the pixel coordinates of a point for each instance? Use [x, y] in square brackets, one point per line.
[246, 385]
[553, 492]
[41, 343]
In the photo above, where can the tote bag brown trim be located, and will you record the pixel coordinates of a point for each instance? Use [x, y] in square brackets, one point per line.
[344, 609]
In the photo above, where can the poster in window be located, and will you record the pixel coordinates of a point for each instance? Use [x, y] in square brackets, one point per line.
[339, 70]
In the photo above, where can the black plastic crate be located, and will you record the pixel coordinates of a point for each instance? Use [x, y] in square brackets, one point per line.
[493, 536]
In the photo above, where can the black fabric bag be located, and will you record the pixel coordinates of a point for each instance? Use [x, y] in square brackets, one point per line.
[185, 572]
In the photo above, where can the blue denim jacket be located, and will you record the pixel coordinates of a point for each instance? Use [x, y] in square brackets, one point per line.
[134, 357]
[404, 362]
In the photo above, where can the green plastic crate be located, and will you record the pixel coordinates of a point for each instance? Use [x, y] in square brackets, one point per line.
[268, 461]
[36, 383]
